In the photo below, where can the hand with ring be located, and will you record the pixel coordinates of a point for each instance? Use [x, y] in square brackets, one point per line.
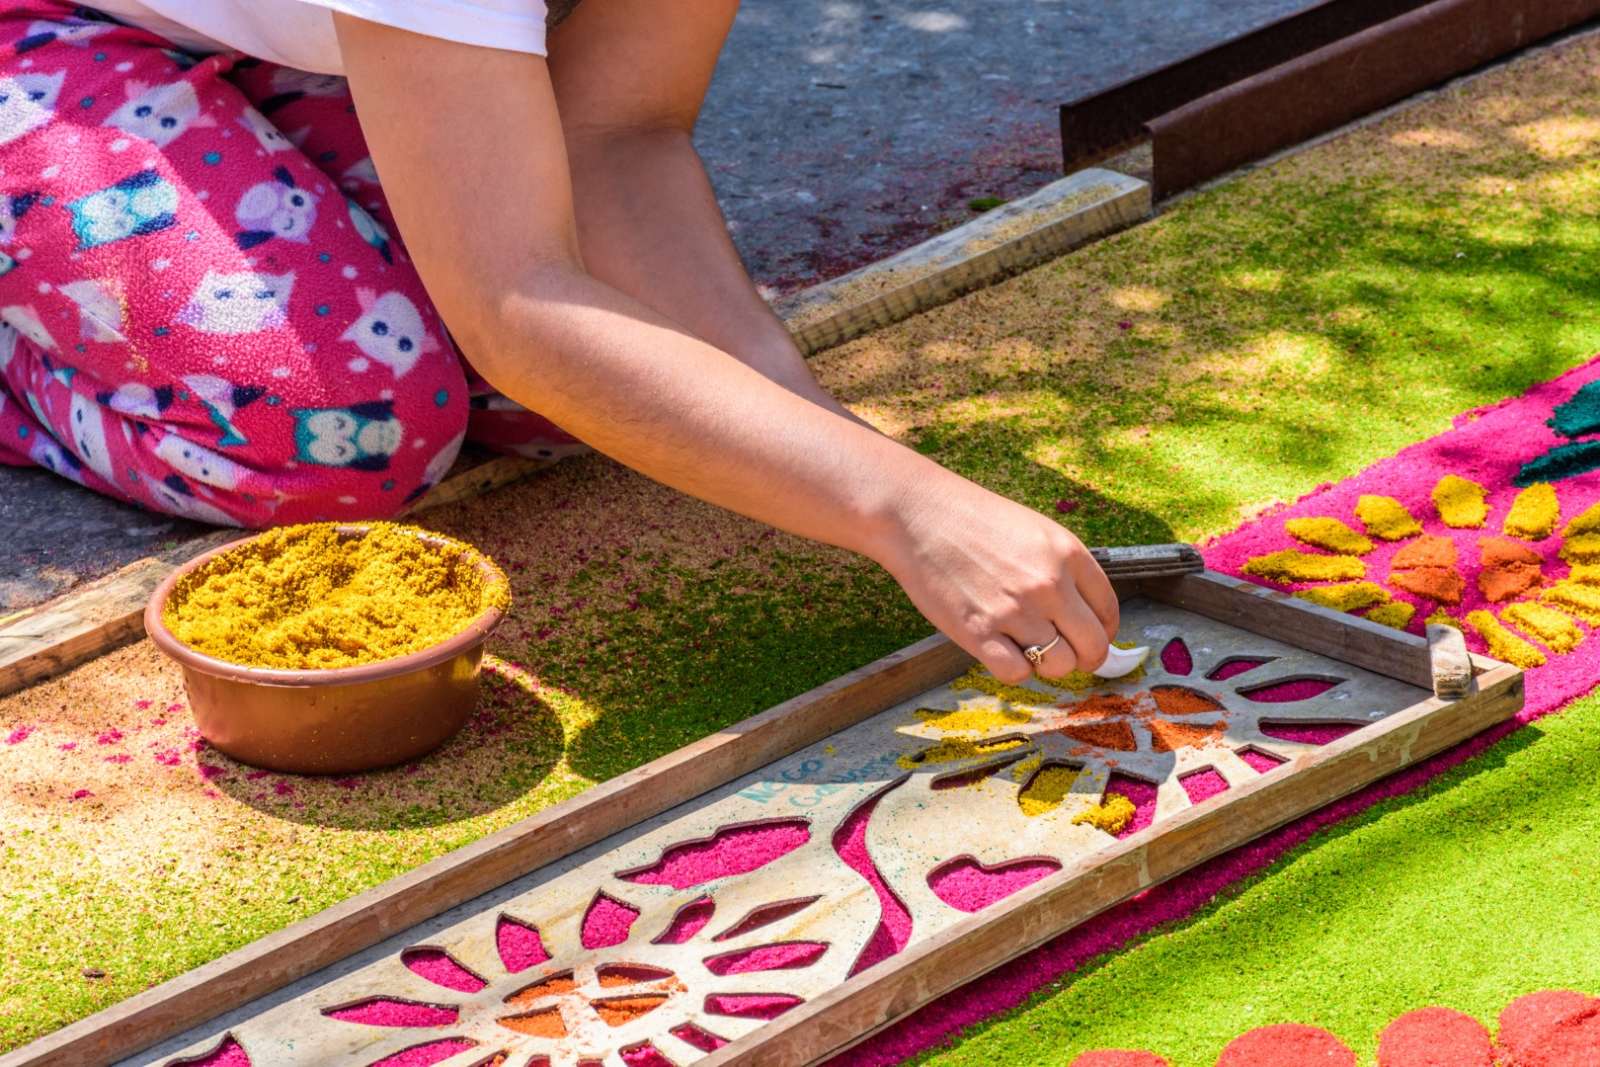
[1009, 585]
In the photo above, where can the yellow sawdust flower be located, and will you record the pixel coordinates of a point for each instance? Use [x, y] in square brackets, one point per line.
[1534, 513]
[1290, 565]
[1328, 533]
[1461, 502]
[1386, 517]
[1502, 643]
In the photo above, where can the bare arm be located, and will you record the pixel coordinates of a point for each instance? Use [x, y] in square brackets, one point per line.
[470, 147]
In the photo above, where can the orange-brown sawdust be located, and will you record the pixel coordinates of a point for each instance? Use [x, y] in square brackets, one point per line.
[1103, 705]
[1117, 736]
[1171, 736]
[1443, 584]
[1176, 700]
[555, 984]
[619, 1010]
[545, 1023]
[1429, 550]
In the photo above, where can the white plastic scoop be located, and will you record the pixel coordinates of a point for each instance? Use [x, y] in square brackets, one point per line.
[1121, 662]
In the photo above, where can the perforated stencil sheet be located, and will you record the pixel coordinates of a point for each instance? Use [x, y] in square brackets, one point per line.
[695, 927]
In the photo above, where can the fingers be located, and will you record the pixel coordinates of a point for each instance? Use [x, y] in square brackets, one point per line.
[1083, 629]
[1097, 592]
[1004, 659]
[1060, 660]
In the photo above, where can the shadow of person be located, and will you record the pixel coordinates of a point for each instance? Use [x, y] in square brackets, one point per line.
[511, 743]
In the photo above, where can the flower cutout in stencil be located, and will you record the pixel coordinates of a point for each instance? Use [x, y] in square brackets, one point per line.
[1516, 584]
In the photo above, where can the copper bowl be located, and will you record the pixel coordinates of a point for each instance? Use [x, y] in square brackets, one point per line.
[333, 721]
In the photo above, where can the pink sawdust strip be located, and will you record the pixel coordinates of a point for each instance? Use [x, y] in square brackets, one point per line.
[779, 956]
[425, 1055]
[438, 967]
[645, 1055]
[1175, 657]
[389, 1011]
[228, 1054]
[519, 945]
[1232, 668]
[967, 885]
[894, 923]
[704, 1040]
[1260, 760]
[751, 1005]
[689, 920]
[1488, 445]
[732, 850]
[1203, 785]
[1143, 795]
[765, 915]
[1288, 692]
[1308, 733]
[607, 922]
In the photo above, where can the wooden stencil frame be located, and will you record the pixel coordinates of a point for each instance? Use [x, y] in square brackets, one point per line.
[882, 994]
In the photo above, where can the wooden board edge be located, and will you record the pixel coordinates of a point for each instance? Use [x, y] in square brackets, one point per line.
[892, 990]
[1381, 649]
[1009, 239]
[273, 961]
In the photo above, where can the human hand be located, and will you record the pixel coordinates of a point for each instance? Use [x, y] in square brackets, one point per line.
[997, 577]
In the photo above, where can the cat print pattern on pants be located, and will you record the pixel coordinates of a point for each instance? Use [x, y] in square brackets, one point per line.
[205, 307]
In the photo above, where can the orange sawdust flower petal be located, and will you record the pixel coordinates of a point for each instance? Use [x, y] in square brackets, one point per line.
[1349, 596]
[1508, 580]
[1495, 551]
[1460, 502]
[1117, 736]
[1534, 513]
[1554, 630]
[1502, 643]
[1176, 700]
[1290, 565]
[1171, 736]
[1429, 550]
[1328, 533]
[1386, 517]
[1582, 600]
[1443, 584]
[1397, 614]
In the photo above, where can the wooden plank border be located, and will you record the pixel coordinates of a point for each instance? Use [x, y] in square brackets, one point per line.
[104, 615]
[1065, 214]
[880, 995]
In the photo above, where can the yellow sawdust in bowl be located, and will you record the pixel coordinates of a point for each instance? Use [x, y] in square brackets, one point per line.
[318, 597]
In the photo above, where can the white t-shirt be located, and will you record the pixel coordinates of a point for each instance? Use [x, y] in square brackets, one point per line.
[299, 33]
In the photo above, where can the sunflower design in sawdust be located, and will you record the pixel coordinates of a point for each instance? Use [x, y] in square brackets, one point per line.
[1191, 723]
[1525, 585]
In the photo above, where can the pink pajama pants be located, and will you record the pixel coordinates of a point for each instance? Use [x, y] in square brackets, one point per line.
[205, 308]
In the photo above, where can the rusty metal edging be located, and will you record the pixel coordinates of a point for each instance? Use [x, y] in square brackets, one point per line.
[1326, 88]
[1108, 120]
